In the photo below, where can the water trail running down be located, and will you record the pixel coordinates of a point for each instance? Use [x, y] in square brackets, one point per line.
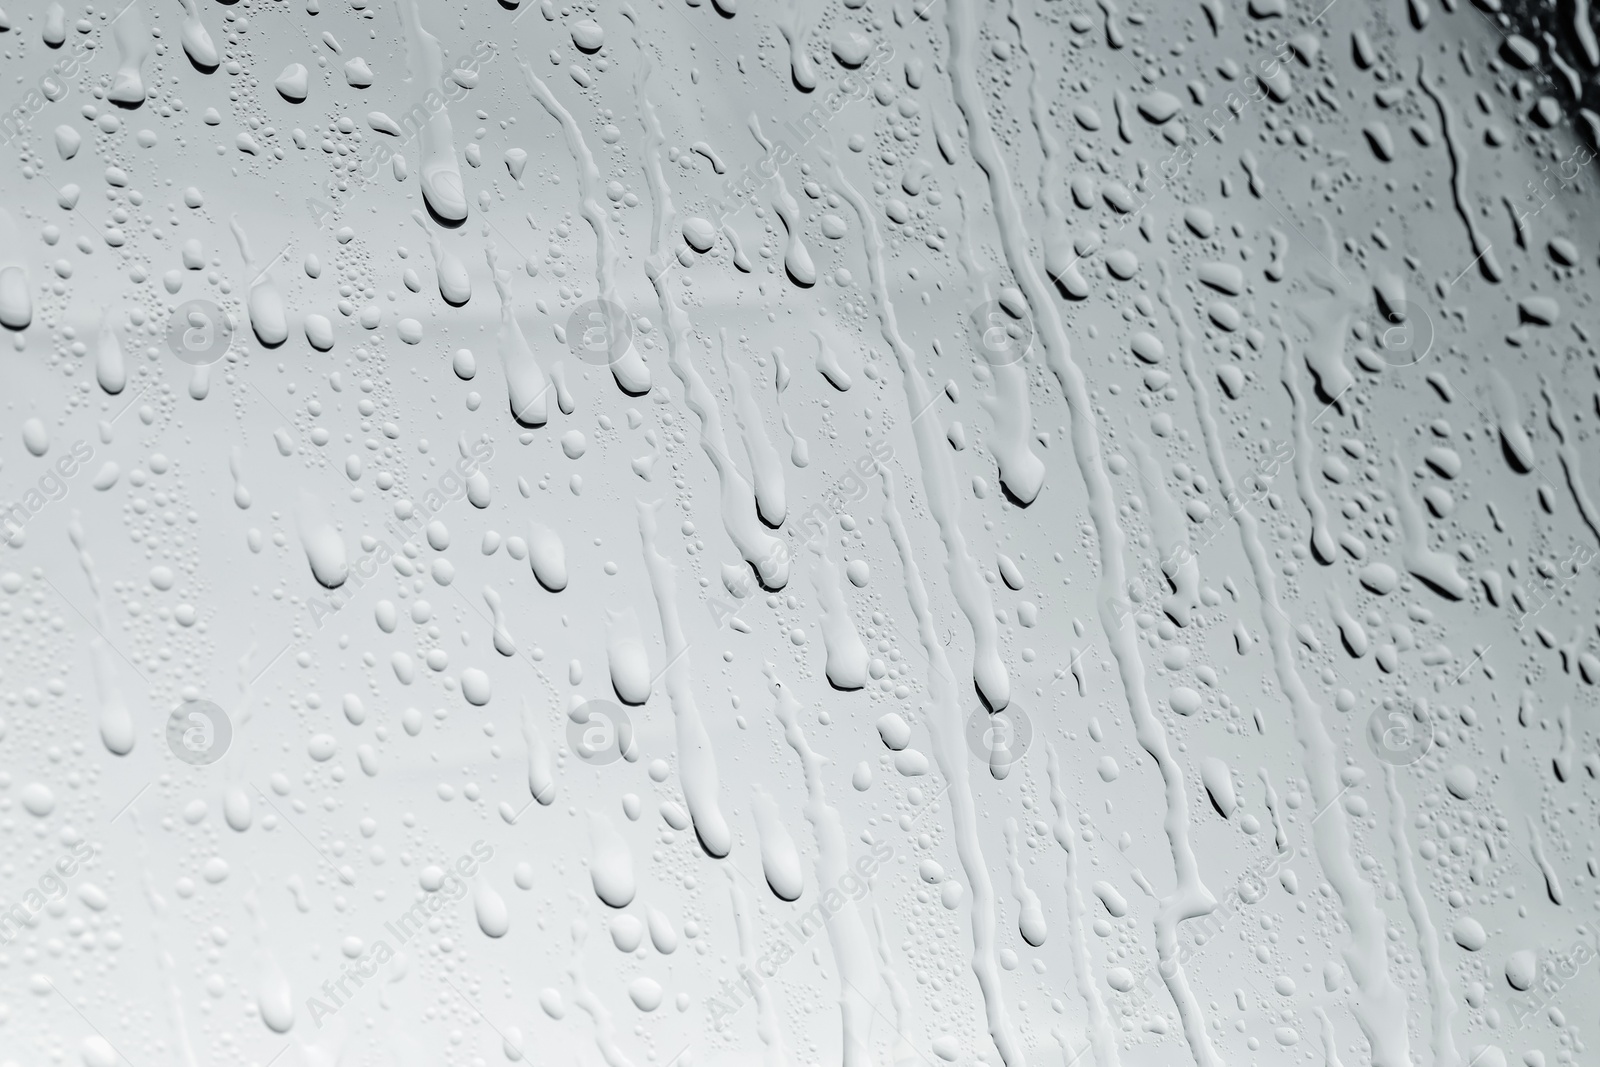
[1380, 1007]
